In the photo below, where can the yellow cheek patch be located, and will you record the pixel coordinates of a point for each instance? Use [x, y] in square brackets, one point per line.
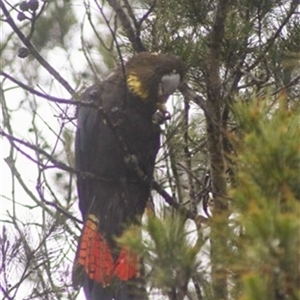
[135, 86]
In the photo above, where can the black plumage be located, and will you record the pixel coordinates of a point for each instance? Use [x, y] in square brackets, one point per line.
[116, 133]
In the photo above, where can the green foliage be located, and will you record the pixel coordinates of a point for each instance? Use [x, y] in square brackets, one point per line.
[53, 28]
[267, 199]
[269, 156]
[171, 259]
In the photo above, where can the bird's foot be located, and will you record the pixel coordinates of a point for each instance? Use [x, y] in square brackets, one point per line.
[160, 117]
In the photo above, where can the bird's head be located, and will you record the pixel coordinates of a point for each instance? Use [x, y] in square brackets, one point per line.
[154, 77]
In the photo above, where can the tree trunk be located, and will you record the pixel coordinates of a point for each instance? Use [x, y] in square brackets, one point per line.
[215, 148]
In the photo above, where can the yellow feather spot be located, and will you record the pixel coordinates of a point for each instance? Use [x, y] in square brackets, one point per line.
[136, 87]
[93, 218]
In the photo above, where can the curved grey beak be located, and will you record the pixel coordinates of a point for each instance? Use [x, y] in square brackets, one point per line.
[169, 84]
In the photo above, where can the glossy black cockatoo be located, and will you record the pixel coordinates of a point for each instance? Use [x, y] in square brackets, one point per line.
[117, 122]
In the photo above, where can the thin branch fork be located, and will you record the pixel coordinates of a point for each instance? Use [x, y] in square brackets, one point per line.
[34, 51]
[37, 93]
[190, 95]
[133, 36]
[48, 97]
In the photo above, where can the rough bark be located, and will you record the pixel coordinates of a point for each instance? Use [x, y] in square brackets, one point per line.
[216, 153]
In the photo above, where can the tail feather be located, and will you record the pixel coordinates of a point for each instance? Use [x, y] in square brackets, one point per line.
[95, 259]
[127, 265]
[94, 253]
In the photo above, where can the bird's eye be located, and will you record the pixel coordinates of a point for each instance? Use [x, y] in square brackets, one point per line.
[157, 68]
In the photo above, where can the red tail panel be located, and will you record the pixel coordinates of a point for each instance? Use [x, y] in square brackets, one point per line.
[95, 256]
[94, 253]
[127, 265]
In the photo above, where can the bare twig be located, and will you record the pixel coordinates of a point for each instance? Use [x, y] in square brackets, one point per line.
[113, 34]
[190, 95]
[48, 97]
[145, 16]
[132, 36]
[293, 7]
[131, 13]
[35, 53]
[37, 93]
[181, 209]
[56, 163]
[188, 159]
[34, 19]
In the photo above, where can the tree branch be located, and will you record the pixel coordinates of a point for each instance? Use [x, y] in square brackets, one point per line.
[133, 37]
[214, 105]
[216, 151]
[37, 93]
[190, 95]
[181, 209]
[271, 40]
[35, 53]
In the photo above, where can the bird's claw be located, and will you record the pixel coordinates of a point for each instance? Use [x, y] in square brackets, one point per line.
[160, 117]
